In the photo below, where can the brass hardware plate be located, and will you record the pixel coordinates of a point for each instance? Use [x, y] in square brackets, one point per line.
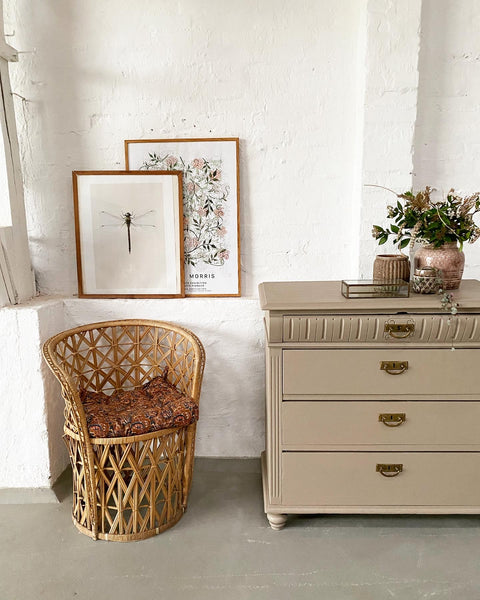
[399, 330]
[394, 367]
[389, 470]
[392, 419]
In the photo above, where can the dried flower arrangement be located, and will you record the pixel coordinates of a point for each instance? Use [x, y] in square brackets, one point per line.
[421, 219]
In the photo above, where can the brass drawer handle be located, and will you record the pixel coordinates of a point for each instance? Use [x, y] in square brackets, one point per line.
[399, 331]
[389, 470]
[392, 419]
[394, 367]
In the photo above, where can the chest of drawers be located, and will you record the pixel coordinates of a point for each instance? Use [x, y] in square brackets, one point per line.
[372, 405]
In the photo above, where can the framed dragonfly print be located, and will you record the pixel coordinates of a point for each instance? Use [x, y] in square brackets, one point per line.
[129, 234]
[210, 206]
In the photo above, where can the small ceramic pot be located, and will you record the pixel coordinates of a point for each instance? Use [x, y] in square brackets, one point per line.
[388, 267]
[426, 281]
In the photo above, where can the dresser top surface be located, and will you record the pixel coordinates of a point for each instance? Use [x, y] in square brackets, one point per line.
[327, 296]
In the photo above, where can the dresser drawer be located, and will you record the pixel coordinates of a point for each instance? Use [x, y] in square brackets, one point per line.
[430, 372]
[372, 423]
[392, 329]
[350, 479]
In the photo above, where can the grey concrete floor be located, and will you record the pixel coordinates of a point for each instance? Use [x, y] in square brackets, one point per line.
[223, 548]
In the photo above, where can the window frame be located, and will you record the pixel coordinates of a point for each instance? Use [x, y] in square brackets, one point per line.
[17, 282]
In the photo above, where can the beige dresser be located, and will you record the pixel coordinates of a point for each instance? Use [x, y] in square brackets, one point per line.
[368, 407]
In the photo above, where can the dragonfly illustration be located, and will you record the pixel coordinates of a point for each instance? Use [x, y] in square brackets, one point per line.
[130, 220]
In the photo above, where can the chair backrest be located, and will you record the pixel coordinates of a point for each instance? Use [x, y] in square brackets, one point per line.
[115, 355]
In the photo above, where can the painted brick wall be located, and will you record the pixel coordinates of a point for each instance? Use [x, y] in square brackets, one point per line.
[390, 110]
[325, 96]
[279, 75]
[447, 146]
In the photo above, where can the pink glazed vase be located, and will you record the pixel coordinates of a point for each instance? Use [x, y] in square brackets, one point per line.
[449, 259]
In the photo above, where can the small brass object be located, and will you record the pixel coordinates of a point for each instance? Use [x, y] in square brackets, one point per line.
[389, 470]
[394, 367]
[399, 331]
[392, 419]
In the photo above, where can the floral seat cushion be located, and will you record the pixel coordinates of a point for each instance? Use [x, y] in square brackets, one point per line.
[157, 405]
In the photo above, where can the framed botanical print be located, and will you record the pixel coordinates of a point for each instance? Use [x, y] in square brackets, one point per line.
[210, 206]
[129, 234]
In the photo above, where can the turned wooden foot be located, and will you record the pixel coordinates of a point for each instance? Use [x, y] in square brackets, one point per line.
[276, 521]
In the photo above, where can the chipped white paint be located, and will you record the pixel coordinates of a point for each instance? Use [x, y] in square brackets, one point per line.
[276, 74]
[279, 75]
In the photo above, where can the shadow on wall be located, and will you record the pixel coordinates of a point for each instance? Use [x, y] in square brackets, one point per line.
[233, 391]
[434, 143]
[446, 149]
[52, 128]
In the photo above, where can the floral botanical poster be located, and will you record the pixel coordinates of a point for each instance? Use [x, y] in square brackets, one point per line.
[210, 206]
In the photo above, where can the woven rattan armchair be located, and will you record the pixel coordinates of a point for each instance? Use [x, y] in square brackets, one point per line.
[134, 487]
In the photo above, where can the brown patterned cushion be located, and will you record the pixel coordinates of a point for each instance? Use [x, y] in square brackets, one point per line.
[157, 405]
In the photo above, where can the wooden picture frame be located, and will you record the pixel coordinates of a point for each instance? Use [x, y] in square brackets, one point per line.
[129, 234]
[211, 193]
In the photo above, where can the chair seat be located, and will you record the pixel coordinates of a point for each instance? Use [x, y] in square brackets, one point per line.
[157, 405]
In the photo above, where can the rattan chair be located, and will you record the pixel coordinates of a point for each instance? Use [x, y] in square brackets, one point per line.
[133, 487]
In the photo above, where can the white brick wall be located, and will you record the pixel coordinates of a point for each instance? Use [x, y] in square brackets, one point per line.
[325, 96]
[279, 75]
[447, 135]
[390, 110]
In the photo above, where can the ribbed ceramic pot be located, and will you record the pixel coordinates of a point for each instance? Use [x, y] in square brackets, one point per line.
[388, 267]
[449, 259]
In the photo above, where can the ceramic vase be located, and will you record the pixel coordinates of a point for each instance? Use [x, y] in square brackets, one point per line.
[389, 267]
[449, 259]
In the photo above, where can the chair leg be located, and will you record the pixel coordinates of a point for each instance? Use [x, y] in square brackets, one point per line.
[188, 469]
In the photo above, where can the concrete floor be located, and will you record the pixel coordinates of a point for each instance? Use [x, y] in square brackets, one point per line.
[223, 548]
